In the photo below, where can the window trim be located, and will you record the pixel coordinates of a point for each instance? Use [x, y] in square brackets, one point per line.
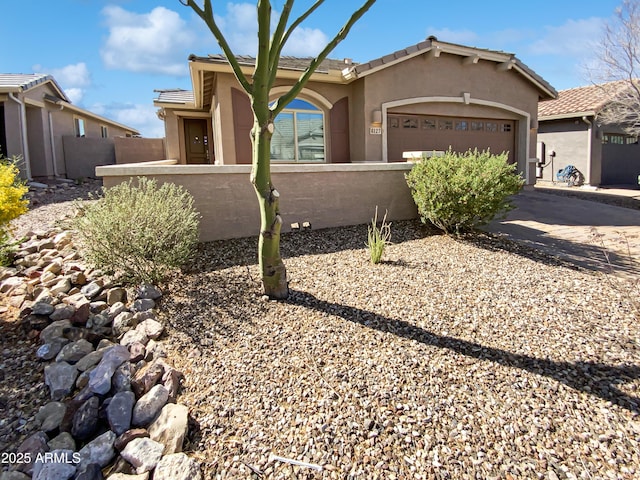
[77, 121]
[318, 111]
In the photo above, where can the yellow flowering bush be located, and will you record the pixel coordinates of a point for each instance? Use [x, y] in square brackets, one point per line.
[12, 196]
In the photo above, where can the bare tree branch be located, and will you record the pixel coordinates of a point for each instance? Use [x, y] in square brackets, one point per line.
[618, 69]
[284, 100]
[207, 16]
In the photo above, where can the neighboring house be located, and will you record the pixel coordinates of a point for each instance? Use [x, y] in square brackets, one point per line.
[569, 133]
[38, 122]
[430, 96]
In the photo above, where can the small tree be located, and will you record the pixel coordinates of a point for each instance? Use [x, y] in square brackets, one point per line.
[617, 69]
[258, 87]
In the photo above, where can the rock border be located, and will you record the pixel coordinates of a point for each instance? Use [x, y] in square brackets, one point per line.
[113, 411]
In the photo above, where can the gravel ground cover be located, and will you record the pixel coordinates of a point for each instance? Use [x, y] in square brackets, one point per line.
[455, 358]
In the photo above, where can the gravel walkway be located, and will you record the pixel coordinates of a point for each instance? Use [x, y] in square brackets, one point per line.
[453, 359]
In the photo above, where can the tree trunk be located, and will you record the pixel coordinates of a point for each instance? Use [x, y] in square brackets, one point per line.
[274, 273]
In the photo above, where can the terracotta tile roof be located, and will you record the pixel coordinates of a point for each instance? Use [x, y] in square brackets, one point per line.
[580, 100]
[285, 63]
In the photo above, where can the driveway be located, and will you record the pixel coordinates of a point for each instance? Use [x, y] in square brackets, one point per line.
[564, 227]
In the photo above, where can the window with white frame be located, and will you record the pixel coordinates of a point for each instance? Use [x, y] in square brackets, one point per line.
[79, 126]
[298, 134]
[104, 131]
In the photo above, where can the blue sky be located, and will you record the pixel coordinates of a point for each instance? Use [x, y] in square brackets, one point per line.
[109, 55]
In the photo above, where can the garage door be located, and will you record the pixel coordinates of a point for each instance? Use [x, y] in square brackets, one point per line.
[426, 133]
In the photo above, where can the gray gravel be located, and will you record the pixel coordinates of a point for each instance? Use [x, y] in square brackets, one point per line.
[453, 359]
[470, 358]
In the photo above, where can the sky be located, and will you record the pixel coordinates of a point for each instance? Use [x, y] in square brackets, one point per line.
[109, 55]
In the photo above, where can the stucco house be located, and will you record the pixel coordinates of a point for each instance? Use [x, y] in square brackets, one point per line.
[429, 96]
[570, 133]
[54, 137]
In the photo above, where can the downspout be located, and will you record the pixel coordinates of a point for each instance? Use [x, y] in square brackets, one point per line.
[23, 130]
[586, 120]
[53, 144]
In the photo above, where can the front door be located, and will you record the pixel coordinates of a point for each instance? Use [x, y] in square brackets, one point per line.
[196, 140]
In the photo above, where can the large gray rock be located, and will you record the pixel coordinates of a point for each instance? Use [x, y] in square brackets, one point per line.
[14, 476]
[64, 441]
[121, 380]
[170, 427]
[143, 453]
[151, 328]
[143, 304]
[62, 311]
[99, 451]
[177, 467]
[31, 447]
[122, 323]
[42, 308]
[134, 336]
[74, 351]
[54, 330]
[149, 405]
[149, 291]
[85, 421]
[50, 416]
[89, 471]
[119, 411]
[50, 350]
[92, 289]
[60, 377]
[57, 467]
[89, 360]
[100, 377]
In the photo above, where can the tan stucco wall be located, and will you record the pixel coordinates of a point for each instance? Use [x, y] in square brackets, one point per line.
[324, 195]
[42, 119]
[447, 76]
[135, 150]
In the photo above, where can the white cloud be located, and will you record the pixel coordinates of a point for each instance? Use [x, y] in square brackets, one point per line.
[140, 116]
[74, 79]
[76, 75]
[75, 94]
[574, 37]
[240, 27]
[154, 42]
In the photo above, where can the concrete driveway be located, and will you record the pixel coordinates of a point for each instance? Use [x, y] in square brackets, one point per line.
[564, 227]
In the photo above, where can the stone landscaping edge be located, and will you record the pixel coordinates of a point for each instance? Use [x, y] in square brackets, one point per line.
[112, 411]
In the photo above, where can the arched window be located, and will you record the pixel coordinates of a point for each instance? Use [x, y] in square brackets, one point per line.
[298, 135]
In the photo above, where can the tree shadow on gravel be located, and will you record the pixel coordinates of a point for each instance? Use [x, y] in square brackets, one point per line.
[595, 379]
[221, 254]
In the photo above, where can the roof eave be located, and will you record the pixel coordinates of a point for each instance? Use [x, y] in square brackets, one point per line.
[95, 116]
[564, 116]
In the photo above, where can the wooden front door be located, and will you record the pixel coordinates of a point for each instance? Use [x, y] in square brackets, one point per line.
[196, 140]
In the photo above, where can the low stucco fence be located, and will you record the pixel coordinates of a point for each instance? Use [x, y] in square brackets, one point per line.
[323, 195]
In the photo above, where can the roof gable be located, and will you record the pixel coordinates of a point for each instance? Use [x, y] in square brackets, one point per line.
[21, 82]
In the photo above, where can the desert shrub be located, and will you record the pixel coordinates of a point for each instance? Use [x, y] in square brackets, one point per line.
[12, 202]
[139, 230]
[378, 238]
[458, 192]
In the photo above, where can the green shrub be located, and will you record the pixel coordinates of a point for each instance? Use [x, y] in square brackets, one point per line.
[12, 202]
[458, 192]
[378, 237]
[139, 230]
